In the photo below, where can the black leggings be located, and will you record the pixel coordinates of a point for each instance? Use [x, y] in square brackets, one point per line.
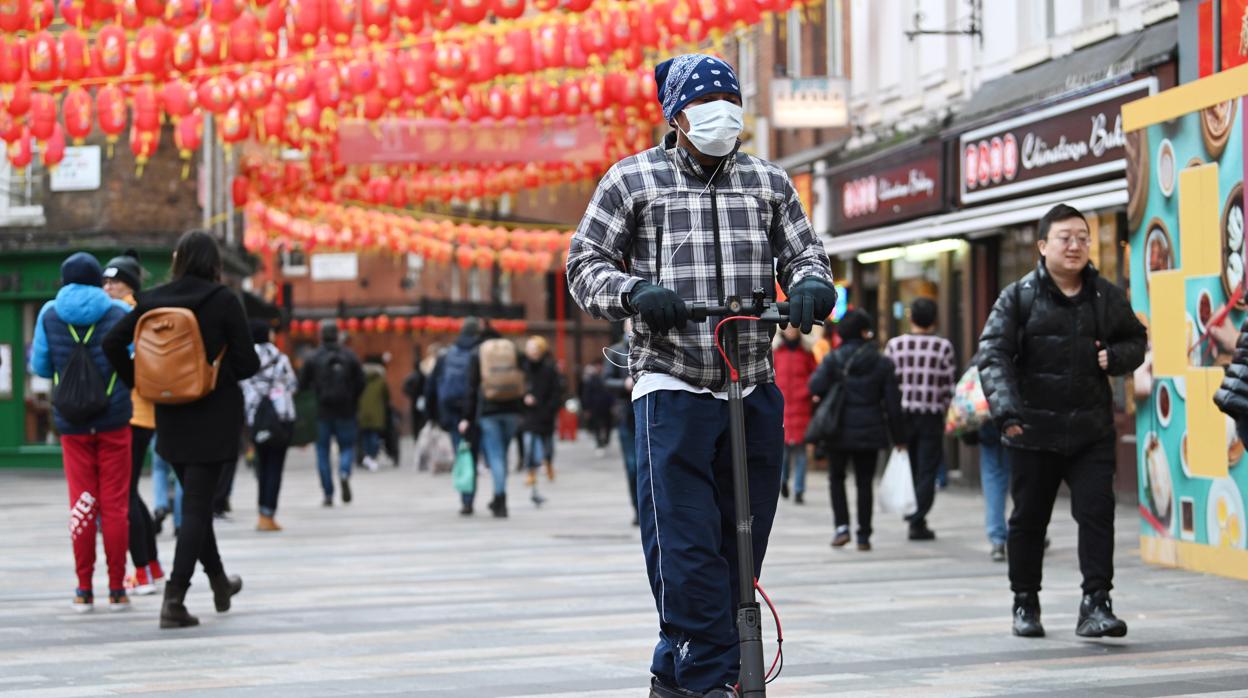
[142, 528]
[864, 476]
[196, 539]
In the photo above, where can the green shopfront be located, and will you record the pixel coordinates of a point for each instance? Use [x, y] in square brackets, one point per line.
[28, 279]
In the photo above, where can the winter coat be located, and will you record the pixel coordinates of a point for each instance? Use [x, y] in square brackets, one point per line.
[81, 306]
[206, 430]
[439, 409]
[1043, 375]
[1232, 397]
[276, 379]
[794, 366]
[375, 398]
[320, 363]
[542, 382]
[614, 374]
[872, 416]
[414, 390]
[144, 414]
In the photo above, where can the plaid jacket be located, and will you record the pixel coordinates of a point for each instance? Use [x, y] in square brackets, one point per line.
[653, 218]
[926, 369]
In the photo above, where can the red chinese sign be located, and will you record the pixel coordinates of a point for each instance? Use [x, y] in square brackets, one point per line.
[437, 141]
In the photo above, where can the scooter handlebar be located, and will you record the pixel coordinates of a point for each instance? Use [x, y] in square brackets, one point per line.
[777, 313]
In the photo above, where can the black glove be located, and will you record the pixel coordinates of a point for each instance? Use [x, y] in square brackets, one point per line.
[810, 299]
[660, 307]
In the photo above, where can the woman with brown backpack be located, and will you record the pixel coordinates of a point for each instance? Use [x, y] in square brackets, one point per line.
[192, 346]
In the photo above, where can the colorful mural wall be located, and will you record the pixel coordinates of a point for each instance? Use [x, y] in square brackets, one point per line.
[1186, 154]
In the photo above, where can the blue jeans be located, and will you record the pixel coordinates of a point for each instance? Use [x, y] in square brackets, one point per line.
[343, 430]
[370, 441]
[497, 433]
[994, 475]
[535, 450]
[162, 471]
[795, 454]
[628, 446]
[688, 524]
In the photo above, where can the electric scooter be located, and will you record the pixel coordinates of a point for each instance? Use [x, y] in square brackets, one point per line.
[752, 681]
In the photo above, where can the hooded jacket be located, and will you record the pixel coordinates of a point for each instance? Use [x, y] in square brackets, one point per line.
[445, 412]
[794, 366]
[81, 306]
[542, 382]
[1039, 366]
[206, 430]
[374, 399]
[872, 415]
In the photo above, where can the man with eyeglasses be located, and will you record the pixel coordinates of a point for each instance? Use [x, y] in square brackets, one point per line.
[1046, 354]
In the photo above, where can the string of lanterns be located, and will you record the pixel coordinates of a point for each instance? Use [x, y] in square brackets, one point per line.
[403, 324]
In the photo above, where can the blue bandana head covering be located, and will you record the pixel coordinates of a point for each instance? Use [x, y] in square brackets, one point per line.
[685, 78]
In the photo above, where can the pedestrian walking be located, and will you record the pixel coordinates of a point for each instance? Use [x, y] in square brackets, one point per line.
[92, 415]
[596, 403]
[337, 377]
[927, 371]
[123, 277]
[1052, 340]
[166, 505]
[619, 382]
[541, 405]
[495, 402]
[414, 391]
[446, 394]
[269, 402]
[372, 413]
[871, 419]
[994, 478]
[199, 437]
[794, 367]
[694, 220]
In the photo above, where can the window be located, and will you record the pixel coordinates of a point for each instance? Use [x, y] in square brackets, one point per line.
[21, 193]
[747, 72]
[834, 18]
[294, 261]
[793, 47]
[1097, 10]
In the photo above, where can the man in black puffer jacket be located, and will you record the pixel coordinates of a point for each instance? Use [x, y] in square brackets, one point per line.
[1053, 339]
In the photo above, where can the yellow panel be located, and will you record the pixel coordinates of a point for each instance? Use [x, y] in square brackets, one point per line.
[1228, 562]
[1167, 291]
[1206, 425]
[1199, 232]
[1185, 99]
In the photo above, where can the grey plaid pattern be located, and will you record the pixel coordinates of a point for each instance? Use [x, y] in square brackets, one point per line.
[659, 200]
[926, 371]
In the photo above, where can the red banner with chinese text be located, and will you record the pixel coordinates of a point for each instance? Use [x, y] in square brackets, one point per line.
[437, 141]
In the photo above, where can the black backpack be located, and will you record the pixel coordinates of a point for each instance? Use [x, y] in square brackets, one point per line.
[825, 423]
[267, 427]
[452, 383]
[333, 380]
[79, 393]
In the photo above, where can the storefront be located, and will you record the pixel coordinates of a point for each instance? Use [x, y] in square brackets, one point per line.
[27, 281]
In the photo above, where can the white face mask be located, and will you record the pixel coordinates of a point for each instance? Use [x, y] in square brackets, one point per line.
[714, 127]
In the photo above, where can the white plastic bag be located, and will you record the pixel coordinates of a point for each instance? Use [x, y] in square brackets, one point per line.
[896, 494]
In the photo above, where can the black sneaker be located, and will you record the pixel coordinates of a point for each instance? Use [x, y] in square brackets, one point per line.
[798, 498]
[1097, 619]
[346, 490]
[327, 502]
[922, 533]
[499, 506]
[784, 490]
[841, 539]
[1027, 615]
[998, 552]
[465, 510]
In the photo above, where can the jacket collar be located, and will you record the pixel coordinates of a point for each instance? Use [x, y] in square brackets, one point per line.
[1089, 273]
[687, 162]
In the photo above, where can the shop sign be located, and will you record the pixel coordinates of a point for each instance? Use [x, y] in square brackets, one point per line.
[79, 171]
[815, 102]
[1068, 142]
[438, 141]
[888, 190]
[335, 266]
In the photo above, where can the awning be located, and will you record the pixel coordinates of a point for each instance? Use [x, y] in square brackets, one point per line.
[809, 156]
[980, 221]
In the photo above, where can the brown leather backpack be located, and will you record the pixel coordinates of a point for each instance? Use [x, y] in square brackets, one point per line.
[502, 379]
[170, 364]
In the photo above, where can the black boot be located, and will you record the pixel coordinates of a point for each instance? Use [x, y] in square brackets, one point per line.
[173, 613]
[1097, 619]
[658, 689]
[499, 506]
[1027, 615]
[223, 587]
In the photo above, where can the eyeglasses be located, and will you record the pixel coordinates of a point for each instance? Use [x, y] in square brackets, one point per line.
[1067, 241]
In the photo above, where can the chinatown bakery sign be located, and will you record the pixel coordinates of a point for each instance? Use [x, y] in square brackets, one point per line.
[1068, 142]
[887, 189]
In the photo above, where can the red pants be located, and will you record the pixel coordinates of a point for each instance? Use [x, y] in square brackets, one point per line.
[97, 468]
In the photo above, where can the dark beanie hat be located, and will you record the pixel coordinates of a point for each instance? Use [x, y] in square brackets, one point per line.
[125, 269]
[329, 330]
[82, 268]
[260, 331]
[854, 324]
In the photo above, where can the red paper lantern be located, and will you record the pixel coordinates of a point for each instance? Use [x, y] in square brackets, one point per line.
[239, 189]
[77, 109]
[111, 105]
[146, 108]
[235, 125]
[572, 98]
[12, 59]
[44, 61]
[362, 76]
[552, 44]
[181, 13]
[21, 151]
[54, 148]
[516, 54]
[549, 98]
[402, 324]
[255, 89]
[376, 17]
[414, 67]
[305, 21]
[507, 9]
[151, 49]
[353, 324]
[110, 50]
[340, 19]
[374, 106]
[14, 16]
[273, 123]
[328, 86]
[210, 43]
[42, 115]
[410, 15]
[309, 327]
[294, 83]
[449, 59]
[383, 323]
[75, 56]
[245, 37]
[176, 99]
[482, 60]
[389, 79]
[225, 11]
[184, 53]
[189, 135]
[469, 11]
[19, 101]
[369, 324]
[143, 145]
[216, 94]
[519, 102]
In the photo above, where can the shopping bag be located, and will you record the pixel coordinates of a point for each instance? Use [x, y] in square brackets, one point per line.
[896, 494]
[464, 474]
[968, 410]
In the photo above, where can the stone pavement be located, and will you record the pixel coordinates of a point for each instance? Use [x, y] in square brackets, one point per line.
[396, 595]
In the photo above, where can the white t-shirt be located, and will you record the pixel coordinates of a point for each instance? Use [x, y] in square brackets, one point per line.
[653, 382]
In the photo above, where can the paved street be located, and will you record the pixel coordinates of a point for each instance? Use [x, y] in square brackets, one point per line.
[397, 595]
